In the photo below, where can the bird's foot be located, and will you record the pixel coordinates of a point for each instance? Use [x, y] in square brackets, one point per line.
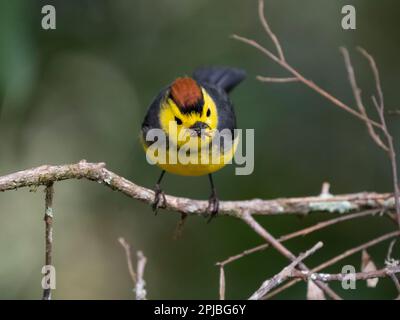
[213, 206]
[159, 199]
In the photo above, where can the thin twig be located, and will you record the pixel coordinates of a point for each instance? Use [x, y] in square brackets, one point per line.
[221, 283]
[304, 80]
[268, 30]
[286, 272]
[277, 80]
[324, 224]
[136, 277]
[396, 282]
[395, 112]
[358, 98]
[243, 254]
[282, 62]
[390, 250]
[48, 220]
[325, 190]
[354, 250]
[284, 251]
[338, 258]
[127, 248]
[380, 106]
[140, 283]
[326, 277]
[302, 232]
[392, 262]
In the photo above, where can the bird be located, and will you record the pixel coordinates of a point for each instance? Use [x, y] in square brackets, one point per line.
[198, 105]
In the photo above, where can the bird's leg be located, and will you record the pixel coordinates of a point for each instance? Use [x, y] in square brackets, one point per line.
[159, 196]
[213, 201]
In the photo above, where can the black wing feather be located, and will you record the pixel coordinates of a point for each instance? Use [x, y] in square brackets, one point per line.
[225, 78]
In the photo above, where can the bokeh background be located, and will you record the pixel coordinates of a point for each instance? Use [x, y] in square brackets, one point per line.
[81, 91]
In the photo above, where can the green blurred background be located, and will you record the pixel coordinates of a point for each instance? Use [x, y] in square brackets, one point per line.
[81, 91]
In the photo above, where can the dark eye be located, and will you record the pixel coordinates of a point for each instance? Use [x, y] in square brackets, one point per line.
[178, 121]
[208, 112]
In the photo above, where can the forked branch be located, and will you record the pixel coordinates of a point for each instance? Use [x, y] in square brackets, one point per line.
[361, 114]
[137, 276]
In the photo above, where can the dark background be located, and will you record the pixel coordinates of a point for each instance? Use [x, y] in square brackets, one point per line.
[81, 91]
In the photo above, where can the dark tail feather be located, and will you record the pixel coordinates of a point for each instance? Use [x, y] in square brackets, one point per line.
[223, 77]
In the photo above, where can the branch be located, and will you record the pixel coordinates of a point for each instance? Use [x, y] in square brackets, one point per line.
[276, 80]
[326, 277]
[269, 31]
[362, 114]
[358, 99]
[396, 282]
[338, 258]
[97, 172]
[284, 251]
[395, 112]
[221, 283]
[302, 232]
[140, 283]
[127, 249]
[306, 81]
[380, 107]
[48, 220]
[268, 285]
[137, 277]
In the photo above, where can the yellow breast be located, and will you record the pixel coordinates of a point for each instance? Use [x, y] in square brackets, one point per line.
[194, 164]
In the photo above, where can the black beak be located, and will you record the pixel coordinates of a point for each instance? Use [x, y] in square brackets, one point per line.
[198, 126]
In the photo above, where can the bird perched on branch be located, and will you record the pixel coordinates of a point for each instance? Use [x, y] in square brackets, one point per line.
[181, 131]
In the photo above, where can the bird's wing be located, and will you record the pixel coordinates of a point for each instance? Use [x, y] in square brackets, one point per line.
[151, 120]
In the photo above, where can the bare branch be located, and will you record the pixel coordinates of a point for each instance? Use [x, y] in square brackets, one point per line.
[48, 220]
[396, 282]
[338, 258]
[140, 283]
[277, 80]
[327, 223]
[302, 232]
[392, 262]
[136, 277]
[389, 258]
[127, 248]
[358, 99]
[221, 283]
[325, 190]
[268, 30]
[362, 115]
[277, 279]
[284, 251]
[97, 172]
[357, 249]
[306, 81]
[243, 254]
[375, 72]
[395, 112]
[380, 106]
[326, 277]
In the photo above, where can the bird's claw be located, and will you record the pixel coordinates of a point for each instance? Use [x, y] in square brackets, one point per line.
[213, 207]
[159, 199]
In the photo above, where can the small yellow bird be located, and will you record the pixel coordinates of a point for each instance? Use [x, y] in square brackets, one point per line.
[191, 111]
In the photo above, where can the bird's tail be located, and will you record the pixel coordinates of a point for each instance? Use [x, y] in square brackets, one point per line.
[223, 77]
